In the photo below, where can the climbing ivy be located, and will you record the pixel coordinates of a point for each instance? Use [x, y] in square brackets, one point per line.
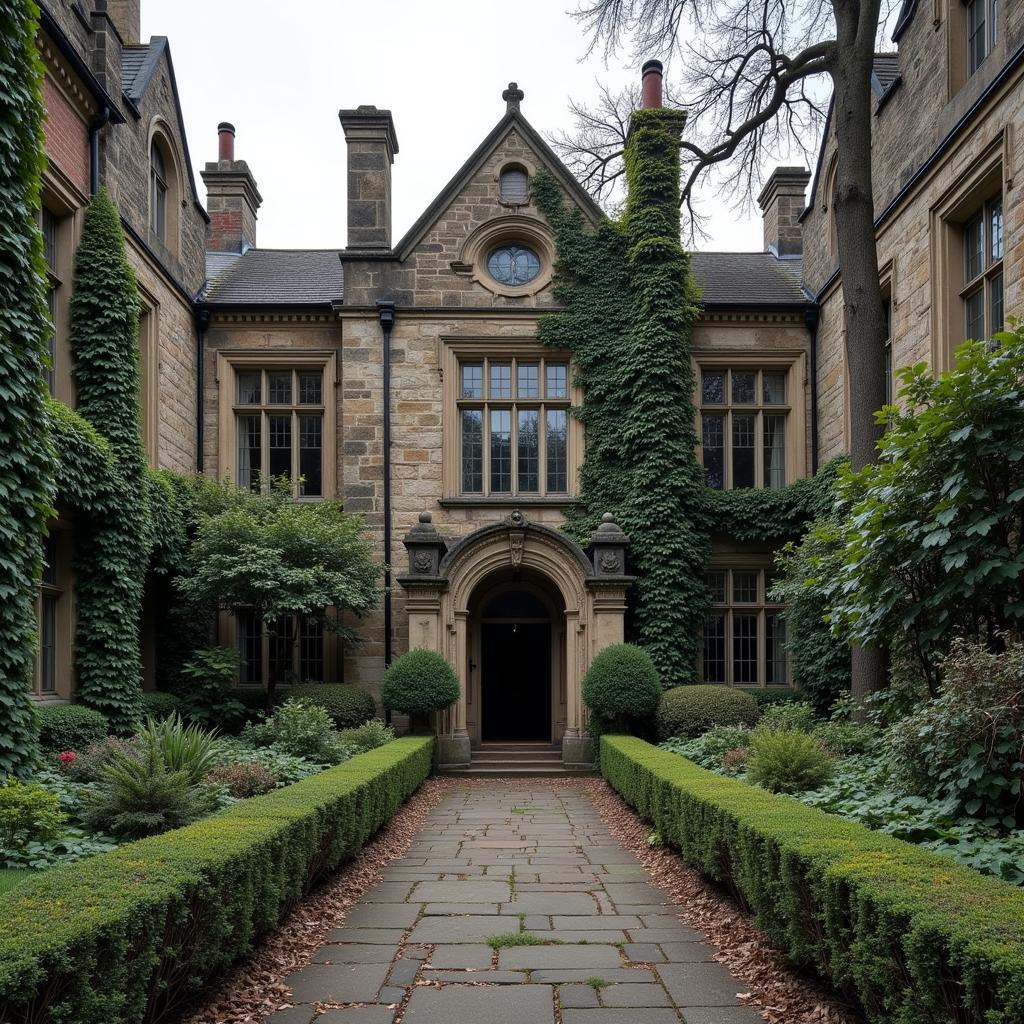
[112, 551]
[628, 308]
[26, 487]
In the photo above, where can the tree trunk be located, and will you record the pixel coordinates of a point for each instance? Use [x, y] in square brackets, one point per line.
[853, 206]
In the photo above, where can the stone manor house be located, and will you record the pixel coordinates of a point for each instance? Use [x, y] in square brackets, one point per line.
[403, 376]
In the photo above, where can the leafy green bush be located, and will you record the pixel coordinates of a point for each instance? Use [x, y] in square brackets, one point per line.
[767, 696]
[787, 760]
[207, 692]
[692, 710]
[243, 779]
[710, 749]
[27, 814]
[141, 796]
[791, 715]
[367, 736]
[914, 937]
[286, 767]
[846, 737]
[90, 763]
[968, 744]
[930, 547]
[302, 730]
[69, 727]
[419, 682]
[622, 686]
[348, 706]
[158, 705]
[132, 935]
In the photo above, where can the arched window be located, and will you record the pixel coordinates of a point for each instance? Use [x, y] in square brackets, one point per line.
[515, 185]
[157, 192]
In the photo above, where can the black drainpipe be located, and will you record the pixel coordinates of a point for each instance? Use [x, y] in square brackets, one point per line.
[386, 314]
[812, 315]
[94, 149]
[202, 323]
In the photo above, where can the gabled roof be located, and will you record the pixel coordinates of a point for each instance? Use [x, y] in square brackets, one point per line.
[747, 279]
[885, 72]
[138, 63]
[513, 119]
[273, 277]
[906, 14]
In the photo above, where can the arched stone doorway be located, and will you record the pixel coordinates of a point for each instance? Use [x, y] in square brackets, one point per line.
[451, 585]
[516, 670]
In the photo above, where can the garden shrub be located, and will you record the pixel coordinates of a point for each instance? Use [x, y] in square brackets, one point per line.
[419, 682]
[28, 814]
[302, 730]
[710, 749]
[183, 748]
[69, 727]
[914, 937]
[622, 686]
[131, 936]
[367, 736]
[158, 705]
[691, 710]
[768, 696]
[286, 767]
[349, 706]
[846, 737]
[791, 715]
[206, 688]
[91, 760]
[243, 779]
[968, 744]
[787, 760]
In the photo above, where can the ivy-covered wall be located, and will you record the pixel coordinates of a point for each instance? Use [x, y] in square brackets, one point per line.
[26, 470]
[629, 309]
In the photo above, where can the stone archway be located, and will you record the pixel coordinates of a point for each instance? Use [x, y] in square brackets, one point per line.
[444, 576]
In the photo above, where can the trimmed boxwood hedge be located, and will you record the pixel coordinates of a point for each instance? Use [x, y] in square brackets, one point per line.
[69, 727]
[131, 935]
[910, 934]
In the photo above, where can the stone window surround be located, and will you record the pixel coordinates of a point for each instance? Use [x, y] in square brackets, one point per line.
[794, 363]
[983, 181]
[887, 280]
[149, 374]
[227, 635]
[63, 590]
[161, 136]
[515, 165]
[229, 363]
[460, 349]
[955, 15]
[749, 561]
[67, 204]
[516, 229]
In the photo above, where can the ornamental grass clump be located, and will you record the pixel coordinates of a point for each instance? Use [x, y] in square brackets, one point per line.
[787, 761]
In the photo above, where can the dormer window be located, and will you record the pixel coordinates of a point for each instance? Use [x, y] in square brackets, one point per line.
[514, 185]
[157, 193]
[982, 19]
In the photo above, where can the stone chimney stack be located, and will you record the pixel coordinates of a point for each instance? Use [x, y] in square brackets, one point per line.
[232, 198]
[651, 84]
[782, 201]
[126, 16]
[372, 145]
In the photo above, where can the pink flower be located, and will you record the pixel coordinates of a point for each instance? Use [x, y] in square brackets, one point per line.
[67, 757]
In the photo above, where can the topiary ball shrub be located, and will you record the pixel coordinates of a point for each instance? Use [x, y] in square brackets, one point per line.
[788, 761]
[622, 686]
[419, 682]
[69, 727]
[692, 710]
[348, 706]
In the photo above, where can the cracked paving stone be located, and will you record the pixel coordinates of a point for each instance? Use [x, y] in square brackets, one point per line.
[468, 1004]
[338, 983]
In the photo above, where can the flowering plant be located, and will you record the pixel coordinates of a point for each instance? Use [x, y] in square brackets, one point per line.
[67, 757]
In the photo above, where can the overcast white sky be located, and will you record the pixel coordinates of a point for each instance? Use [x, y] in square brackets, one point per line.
[281, 71]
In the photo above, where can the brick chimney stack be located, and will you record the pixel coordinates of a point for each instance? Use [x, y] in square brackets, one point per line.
[782, 201]
[651, 84]
[372, 144]
[232, 198]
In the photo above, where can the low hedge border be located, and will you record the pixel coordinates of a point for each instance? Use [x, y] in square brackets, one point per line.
[132, 935]
[914, 937]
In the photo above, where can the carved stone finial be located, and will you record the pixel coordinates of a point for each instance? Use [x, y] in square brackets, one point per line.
[426, 517]
[512, 96]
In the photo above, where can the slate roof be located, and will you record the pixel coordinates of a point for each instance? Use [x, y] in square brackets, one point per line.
[885, 71]
[138, 64]
[906, 13]
[747, 279]
[273, 277]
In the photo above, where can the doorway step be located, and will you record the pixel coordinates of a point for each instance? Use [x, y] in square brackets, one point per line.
[518, 759]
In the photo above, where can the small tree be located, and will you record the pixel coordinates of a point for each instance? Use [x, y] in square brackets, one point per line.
[934, 536]
[282, 560]
[419, 683]
[622, 687]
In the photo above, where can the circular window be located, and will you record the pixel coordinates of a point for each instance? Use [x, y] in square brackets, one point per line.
[513, 265]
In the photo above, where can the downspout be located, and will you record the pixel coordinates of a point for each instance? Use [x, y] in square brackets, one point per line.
[386, 314]
[812, 316]
[202, 323]
[95, 128]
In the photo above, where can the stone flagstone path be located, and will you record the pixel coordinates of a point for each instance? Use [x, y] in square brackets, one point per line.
[508, 859]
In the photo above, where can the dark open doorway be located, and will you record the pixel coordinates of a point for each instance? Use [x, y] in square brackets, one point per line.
[516, 681]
